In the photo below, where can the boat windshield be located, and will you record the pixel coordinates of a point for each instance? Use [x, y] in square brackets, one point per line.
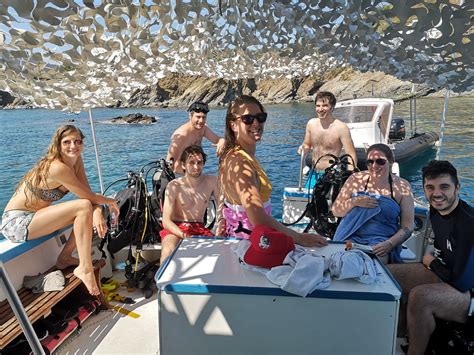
[355, 114]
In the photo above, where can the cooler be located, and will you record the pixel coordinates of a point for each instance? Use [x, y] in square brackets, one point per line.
[209, 304]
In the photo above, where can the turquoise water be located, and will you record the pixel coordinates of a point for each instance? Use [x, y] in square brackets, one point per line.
[26, 134]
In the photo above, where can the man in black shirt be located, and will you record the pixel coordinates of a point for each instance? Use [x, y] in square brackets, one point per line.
[440, 286]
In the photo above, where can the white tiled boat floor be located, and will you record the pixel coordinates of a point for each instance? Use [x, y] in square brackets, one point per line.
[112, 332]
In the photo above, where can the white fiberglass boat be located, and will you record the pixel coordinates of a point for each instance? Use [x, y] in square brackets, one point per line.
[371, 121]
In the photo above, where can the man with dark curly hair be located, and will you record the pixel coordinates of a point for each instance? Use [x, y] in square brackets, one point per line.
[441, 286]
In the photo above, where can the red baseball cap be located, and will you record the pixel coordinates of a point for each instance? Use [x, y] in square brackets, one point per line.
[268, 247]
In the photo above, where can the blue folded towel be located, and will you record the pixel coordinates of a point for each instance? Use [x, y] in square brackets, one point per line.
[371, 226]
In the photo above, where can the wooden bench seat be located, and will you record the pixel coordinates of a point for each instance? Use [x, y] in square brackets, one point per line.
[39, 305]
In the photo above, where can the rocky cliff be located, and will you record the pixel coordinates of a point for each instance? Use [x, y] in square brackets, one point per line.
[181, 90]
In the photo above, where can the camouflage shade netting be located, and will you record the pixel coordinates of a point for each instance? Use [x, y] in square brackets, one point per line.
[76, 55]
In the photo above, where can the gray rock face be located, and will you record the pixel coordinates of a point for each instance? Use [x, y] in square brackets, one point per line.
[349, 84]
[181, 90]
[7, 100]
[134, 118]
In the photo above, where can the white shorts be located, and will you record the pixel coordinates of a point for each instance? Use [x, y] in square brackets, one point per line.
[15, 225]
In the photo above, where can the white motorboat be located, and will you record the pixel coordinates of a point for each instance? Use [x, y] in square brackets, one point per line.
[371, 121]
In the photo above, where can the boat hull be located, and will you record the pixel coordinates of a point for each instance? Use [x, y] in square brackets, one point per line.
[406, 149]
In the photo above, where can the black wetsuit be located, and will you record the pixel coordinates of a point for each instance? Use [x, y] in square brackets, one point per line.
[454, 246]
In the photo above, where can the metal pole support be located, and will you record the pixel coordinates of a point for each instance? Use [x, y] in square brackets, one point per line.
[20, 312]
[96, 150]
[300, 177]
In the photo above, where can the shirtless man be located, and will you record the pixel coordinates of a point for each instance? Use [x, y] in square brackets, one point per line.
[191, 133]
[326, 134]
[186, 200]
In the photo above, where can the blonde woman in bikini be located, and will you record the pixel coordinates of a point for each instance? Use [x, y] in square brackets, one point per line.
[245, 184]
[30, 213]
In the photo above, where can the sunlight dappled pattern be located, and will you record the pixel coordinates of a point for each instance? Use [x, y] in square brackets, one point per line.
[79, 54]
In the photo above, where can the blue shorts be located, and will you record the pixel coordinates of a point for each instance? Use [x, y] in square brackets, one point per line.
[15, 225]
[313, 177]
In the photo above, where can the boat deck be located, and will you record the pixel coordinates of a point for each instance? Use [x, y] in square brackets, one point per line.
[113, 331]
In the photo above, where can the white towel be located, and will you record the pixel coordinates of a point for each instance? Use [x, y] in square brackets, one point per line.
[303, 273]
[353, 264]
[54, 281]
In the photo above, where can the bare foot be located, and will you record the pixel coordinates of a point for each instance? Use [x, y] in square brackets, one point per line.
[64, 261]
[88, 279]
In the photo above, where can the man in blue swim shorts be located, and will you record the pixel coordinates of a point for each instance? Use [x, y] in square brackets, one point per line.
[325, 134]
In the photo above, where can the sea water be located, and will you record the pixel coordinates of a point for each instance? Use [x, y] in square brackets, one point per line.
[25, 135]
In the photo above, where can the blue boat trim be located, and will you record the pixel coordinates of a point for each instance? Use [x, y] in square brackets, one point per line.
[300, 194]
[165, 264]
[271, 291]
[389, 274]
[11, 250]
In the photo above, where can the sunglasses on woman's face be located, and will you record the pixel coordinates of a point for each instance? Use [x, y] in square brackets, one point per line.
[69, 142]
[376, 161]
[248, 119]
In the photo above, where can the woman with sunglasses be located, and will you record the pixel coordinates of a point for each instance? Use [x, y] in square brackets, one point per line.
[31, 214]
[244, 183]
[377, 206]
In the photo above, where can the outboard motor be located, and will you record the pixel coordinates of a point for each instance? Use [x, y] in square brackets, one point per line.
[397, 129]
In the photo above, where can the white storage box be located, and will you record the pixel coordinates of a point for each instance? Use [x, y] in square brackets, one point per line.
[209, 304]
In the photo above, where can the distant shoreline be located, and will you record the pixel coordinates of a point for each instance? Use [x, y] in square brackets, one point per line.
[178, 90]
[436, 95]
